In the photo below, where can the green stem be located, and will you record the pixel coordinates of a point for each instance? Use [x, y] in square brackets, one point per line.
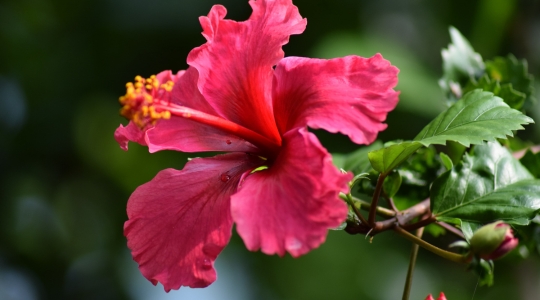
[381, 211]
[375, 200]
[442, 253]
[349, 199]
[412, 263]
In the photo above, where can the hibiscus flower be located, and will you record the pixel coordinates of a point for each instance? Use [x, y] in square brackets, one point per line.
[276, 182]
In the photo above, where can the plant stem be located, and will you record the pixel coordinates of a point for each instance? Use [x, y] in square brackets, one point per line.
[451, 228]
[412, 263]
[375, 200]
[420, 224]
[442, 253]
[349, 199]
[381, 211]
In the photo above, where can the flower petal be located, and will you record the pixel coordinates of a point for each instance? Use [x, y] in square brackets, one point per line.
[291, 205]
[235, 65]
[351, 95]
[182, 134]
[131, 132]
[180, 221]
[186, 135]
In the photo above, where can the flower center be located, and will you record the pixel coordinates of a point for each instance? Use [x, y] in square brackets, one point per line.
[148, 100]
[138, 102]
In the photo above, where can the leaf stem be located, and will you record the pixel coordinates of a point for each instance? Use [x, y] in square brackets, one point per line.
[375, 200]
[442, 253]
[412, 263]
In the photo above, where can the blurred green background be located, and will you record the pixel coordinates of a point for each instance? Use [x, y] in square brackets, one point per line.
[65, 182]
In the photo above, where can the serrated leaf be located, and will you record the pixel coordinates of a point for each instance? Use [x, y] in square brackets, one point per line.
[512, 72]
[386, 159]
[488, 185]
[515, 99]
[479, 116]
[460, 63]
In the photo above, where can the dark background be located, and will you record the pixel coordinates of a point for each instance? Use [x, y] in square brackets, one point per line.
[64, 181]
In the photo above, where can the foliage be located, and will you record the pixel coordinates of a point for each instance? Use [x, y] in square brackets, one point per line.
[460, 161]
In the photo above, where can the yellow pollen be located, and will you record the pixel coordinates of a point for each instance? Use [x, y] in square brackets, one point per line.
[138, 102]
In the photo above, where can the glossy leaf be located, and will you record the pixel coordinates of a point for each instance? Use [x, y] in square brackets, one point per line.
[488, 185]
[479, 116]
[386, 159]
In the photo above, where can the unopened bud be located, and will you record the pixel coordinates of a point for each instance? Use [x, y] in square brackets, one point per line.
[493, 241]
[441, 297]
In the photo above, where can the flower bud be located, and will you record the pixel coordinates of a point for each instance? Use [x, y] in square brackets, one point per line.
[493, 241]
[441, 297]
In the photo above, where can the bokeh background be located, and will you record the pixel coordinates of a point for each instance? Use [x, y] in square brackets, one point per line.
[64, 181]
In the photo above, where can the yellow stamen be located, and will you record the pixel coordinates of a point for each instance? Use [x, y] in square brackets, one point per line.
[138, 102]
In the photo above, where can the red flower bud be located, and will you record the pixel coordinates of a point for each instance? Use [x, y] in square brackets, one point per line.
[441, 297]
[493, 241]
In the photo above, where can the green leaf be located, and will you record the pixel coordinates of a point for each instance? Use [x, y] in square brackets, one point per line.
[488, 185]
[356, 161]
[507, 78]
[513, 73]
[446, 160]
[460, 63]
[514, 99]
[386, 159]
[392, 183]
[479, 116]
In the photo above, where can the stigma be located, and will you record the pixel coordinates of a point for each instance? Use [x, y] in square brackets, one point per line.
[142, 95]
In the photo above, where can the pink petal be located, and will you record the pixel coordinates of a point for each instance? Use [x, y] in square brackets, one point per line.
[186, 135]
[351, 95]
[180, 221]
[291, 205]
[235, 65]
[131, 132]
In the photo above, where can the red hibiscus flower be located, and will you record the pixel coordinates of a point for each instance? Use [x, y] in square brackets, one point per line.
[276, 182]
